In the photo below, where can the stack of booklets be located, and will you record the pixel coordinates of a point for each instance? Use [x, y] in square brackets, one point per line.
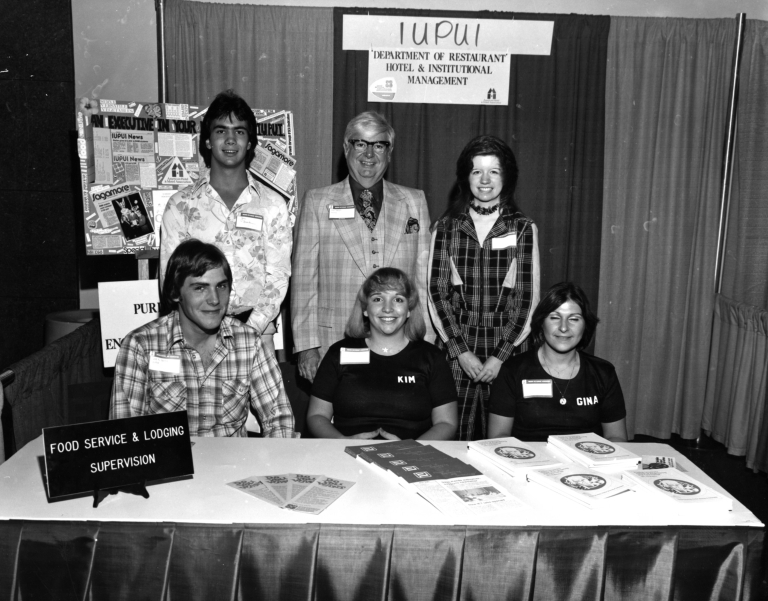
[299, 492]
[582, 485]
[512, 455]
[452, 486]
[594, 452]
[674, 489]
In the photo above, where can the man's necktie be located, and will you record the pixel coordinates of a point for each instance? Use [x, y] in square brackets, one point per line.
[366, 209]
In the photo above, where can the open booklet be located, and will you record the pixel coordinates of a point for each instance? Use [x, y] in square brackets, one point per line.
[300, 492]
[452, 486]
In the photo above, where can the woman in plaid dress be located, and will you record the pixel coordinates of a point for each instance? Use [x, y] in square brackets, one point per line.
[484, 276]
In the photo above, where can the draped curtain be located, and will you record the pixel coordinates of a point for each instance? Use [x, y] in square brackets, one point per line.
[735, 400]
[666, 103]
[554, 123]
[274, 57]
[745, 267]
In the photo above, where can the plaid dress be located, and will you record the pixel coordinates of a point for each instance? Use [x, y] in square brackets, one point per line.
[482, 299]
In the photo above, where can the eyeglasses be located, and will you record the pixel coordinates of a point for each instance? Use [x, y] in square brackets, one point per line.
[362, 145]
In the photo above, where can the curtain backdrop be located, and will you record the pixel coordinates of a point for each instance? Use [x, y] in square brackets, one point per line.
[745, 271]
[666, 91]
[735, 399]
[274, 57]
[554, 123]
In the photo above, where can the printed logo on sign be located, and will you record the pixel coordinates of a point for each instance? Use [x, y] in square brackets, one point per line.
[177, 175]
[384, 88]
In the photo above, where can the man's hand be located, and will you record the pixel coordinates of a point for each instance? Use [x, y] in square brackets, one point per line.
[308, 363]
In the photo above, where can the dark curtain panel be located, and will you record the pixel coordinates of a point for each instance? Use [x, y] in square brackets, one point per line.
[554, 123]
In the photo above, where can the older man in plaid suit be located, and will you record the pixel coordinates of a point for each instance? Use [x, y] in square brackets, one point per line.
[348, 230]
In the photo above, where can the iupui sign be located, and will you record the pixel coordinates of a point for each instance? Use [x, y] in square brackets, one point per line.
[115, 453]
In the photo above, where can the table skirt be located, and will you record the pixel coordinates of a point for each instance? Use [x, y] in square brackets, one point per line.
[174, 562]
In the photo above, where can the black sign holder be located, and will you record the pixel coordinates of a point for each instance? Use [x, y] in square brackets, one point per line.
[140, 489]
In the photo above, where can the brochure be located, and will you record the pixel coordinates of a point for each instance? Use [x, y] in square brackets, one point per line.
[593, 451]
[676, 489]
[307, 493]
[512, 455]
[577, 483]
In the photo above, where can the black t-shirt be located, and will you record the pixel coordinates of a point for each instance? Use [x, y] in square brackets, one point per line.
[395, 392]
[593, 397]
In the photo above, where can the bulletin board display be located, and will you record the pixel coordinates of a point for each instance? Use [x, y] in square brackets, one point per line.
[134, 156]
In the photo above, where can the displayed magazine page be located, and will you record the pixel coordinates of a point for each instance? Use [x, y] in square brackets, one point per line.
[472, 496]
[319, 495]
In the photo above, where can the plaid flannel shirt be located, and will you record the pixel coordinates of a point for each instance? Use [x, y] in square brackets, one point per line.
[216, 398]
[260, 260]
[475, 286]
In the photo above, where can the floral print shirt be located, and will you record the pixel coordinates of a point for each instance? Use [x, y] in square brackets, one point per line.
[255, 236]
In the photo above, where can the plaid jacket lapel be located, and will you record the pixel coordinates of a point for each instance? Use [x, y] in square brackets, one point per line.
[396, 211]
[349, 229]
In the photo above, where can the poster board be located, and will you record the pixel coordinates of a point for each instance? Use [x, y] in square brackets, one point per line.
[134, 156]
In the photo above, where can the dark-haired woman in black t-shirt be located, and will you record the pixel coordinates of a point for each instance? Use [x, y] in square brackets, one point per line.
[556, 388]
[383, 380]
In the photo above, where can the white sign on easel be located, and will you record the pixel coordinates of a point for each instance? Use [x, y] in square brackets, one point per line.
[124, 306]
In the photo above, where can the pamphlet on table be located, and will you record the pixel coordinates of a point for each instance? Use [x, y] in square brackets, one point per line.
[307, 493]
[580, 484]
[670, 488]
[512, 455]
[593, 451]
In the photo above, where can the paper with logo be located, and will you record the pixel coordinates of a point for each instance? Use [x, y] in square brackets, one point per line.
[298, 482]
[676, 489]
[512, 455]
[298, 492]
[591, 450]
[580, 484]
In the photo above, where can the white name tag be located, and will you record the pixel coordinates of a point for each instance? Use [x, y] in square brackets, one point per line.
[506, 241]
[169, 364]
[537, 388]
[250, 221]
[341, 212]
[355, 356]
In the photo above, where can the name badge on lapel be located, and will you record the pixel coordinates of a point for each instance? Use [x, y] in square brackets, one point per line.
[537, 389]
[341, 212]
[355, 356]
[250, 221]
[169, 364]
[506, 241]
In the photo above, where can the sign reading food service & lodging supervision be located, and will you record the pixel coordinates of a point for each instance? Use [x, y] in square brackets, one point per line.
[442, 61]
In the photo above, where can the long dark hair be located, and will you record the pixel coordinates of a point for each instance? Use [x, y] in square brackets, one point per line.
[461, 195]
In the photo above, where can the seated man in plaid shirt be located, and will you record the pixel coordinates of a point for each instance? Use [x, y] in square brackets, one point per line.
[196, 357]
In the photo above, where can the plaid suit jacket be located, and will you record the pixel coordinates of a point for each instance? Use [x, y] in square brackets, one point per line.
[332, 258]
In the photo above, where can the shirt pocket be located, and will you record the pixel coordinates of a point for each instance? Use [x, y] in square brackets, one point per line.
[167, 397]
[234, 398]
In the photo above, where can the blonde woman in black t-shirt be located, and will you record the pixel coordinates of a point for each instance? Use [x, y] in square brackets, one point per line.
[384, 380]
[556, 388]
